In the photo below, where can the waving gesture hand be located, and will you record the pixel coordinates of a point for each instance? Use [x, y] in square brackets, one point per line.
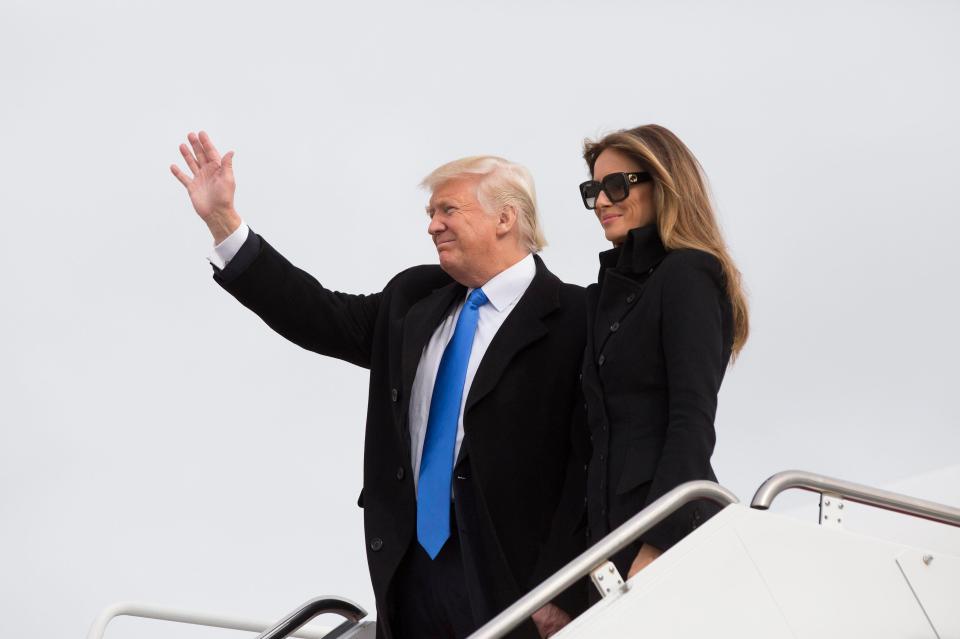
[212, 186]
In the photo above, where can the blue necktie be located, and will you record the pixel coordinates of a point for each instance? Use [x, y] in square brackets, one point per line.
[436, 462]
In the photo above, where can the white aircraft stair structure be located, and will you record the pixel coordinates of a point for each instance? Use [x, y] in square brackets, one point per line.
[744, 573]
[750, 573]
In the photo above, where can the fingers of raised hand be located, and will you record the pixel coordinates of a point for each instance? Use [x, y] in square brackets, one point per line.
[194, 140]
[209, 150]
[188, 156]
[180, 175]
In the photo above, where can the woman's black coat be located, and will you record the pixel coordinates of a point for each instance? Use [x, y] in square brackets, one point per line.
[660, 334]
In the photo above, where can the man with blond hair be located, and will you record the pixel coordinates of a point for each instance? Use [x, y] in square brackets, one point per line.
[473, 482]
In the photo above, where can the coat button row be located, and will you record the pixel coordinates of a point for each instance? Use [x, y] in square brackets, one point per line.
[614, 327]
[400, 473]
[394, 394]
[376, 544]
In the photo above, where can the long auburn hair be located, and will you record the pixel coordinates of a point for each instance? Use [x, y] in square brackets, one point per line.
[685, 216]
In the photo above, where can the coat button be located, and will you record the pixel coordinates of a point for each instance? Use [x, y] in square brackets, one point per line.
[376, 544]
[631, 297]
[394, 394]
[400, 473]
[614, 327]
[602, 359]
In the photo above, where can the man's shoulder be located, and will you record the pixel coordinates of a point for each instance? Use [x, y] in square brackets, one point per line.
[566, 290]
[422, 278]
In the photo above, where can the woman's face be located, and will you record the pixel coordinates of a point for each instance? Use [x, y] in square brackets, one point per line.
[618, 218]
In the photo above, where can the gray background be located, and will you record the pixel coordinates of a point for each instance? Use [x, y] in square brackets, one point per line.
[159, 443]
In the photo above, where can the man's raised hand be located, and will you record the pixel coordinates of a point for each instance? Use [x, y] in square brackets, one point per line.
[212, 186]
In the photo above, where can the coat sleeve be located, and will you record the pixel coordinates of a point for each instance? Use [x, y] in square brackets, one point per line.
[297, 306]
[693, 325]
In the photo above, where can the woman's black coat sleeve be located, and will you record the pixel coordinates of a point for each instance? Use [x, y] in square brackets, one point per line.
[695, 312]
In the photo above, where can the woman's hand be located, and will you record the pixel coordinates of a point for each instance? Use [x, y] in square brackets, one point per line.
[643, 559]
[212, 187]
[550, 620]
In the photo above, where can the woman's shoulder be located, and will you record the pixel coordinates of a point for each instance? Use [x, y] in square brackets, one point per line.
[684, 259]
[681, 266]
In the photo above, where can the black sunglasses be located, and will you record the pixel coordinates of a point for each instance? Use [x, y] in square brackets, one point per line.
[616, 186]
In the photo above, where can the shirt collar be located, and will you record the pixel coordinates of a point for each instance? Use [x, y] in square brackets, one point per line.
[506, 287]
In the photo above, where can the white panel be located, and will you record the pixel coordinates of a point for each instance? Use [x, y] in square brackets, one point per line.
[707, 587]
[936, 584]
[832, 583]
[748, 573]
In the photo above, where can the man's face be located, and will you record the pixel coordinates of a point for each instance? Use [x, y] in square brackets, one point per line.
[464, 233]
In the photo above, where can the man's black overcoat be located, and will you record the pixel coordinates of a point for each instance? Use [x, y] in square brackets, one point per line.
[659, 338]
[519, 481]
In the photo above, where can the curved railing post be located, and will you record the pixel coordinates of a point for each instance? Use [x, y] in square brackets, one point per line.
[319, 606]
[859, 493]
[340, 606]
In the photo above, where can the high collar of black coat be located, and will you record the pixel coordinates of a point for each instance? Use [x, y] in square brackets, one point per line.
[640, 252]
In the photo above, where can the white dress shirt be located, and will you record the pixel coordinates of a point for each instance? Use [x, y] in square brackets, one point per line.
[224, 251]
[503, 293]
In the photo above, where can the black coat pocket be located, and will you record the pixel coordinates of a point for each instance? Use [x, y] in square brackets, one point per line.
[639, 465]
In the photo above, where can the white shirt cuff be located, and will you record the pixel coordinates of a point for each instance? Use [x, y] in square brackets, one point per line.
[225, 251]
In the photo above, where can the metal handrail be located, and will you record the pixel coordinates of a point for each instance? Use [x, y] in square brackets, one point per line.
[853, 492]
[599, 552]
[318, 606]
[178, 615]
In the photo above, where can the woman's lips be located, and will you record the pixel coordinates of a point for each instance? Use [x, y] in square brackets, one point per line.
[607, 219]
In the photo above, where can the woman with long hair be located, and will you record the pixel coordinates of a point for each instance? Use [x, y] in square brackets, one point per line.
[666, 315]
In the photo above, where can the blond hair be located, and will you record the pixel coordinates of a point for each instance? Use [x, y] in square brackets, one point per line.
[502, 184]
[685, 215]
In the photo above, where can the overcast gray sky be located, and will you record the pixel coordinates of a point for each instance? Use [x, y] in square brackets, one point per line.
[159, 443]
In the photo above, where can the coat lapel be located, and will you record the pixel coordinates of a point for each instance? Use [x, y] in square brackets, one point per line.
[523, 326]
[612, 305]
[624, 271]
[418, 326]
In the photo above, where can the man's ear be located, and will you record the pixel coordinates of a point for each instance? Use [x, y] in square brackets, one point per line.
[506, 220]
